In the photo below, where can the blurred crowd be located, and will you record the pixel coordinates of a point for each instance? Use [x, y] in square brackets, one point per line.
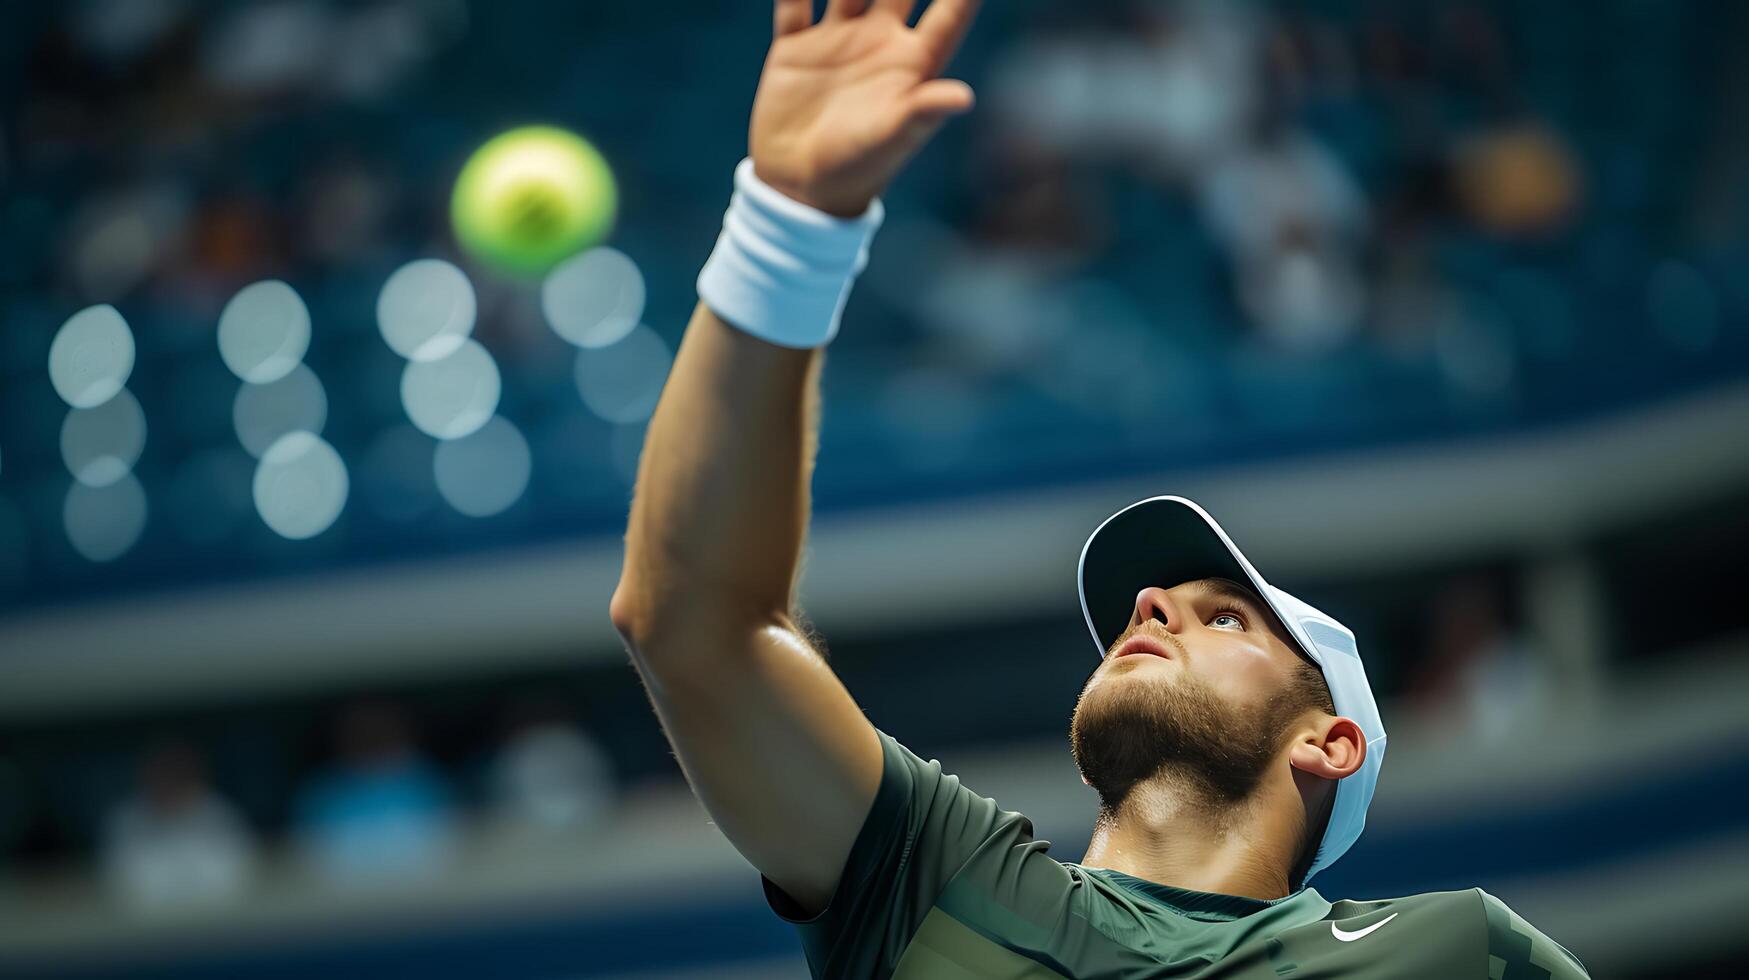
[1219, 104]
[373, 808]
[1284, 208]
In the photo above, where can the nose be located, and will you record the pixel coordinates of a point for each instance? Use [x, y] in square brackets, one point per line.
[1154, 603]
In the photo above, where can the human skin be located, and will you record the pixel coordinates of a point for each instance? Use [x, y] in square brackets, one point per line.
[1212, 769]
[770, 741]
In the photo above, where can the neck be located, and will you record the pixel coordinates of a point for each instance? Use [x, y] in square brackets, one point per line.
[1168, 831]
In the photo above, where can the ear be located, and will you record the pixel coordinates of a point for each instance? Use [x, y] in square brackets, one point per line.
[1331, 748]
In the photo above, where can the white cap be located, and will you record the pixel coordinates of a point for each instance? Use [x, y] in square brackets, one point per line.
[1164, 541]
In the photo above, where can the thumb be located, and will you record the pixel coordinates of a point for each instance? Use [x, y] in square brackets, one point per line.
[937, 99]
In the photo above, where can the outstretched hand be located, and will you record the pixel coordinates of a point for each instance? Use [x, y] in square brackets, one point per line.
[845, 102]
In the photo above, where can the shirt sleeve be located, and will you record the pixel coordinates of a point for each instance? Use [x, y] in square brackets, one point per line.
[1517, 948]
[923, 827]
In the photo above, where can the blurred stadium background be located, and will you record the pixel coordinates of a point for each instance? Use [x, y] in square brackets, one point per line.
[1441, 307]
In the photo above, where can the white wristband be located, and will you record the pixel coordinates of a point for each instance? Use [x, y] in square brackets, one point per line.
[782, 270]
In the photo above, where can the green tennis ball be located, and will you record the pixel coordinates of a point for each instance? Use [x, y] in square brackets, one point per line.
[532, 197]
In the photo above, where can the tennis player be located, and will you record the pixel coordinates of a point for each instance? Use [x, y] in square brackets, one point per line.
[1228, 728]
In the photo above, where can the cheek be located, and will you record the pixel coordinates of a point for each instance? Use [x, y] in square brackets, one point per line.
[1245, 675]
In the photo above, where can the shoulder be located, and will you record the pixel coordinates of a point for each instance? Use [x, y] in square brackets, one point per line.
[1518, 943]
[928, 779]
[1468, 927]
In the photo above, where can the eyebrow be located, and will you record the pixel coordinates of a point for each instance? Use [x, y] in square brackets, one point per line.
[1226, 588]
[1223, 588]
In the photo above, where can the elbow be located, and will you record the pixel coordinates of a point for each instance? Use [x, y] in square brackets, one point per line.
[710, 611]
[624, 611]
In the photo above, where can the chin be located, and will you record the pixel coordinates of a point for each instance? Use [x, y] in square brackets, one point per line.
[1130, 729]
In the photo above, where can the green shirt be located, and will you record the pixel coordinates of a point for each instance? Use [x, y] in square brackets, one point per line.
[943, 884]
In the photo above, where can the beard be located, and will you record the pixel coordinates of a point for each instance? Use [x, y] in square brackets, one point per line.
[1127, 730]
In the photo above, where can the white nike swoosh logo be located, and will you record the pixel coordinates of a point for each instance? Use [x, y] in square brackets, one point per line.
[1349, 937]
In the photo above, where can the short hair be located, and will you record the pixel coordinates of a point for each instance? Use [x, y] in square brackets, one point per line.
[1308, 687]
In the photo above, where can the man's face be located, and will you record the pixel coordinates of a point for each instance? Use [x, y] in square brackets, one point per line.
[1215, 707]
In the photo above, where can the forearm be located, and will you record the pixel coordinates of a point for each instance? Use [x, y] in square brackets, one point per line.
[721, 505]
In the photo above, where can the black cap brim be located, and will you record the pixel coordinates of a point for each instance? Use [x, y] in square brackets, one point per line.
[1161, 541]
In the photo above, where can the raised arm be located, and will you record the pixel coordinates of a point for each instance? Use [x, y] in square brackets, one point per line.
[769, 739]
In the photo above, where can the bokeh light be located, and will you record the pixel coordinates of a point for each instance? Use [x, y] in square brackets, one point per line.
[454, 396]
[264, 331]
[485, 472]
[594, 299]
[426, 310]
[262, 413]
[300, 486]
[101, 445]
[622, 382]
[91, 356]
[104, 522]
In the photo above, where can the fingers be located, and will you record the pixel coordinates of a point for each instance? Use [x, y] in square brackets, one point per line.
[926, 108]
[936, 100]
[840, 9]
[898, 8]
[792, 16]
[944, 25]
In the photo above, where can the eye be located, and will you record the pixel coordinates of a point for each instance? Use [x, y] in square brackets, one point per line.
[1227, 621]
